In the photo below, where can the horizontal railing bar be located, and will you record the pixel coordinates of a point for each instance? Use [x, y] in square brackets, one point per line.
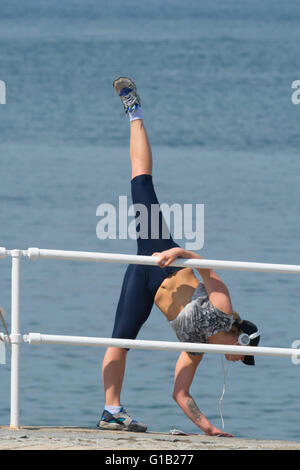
[38, 338]
[34, 253]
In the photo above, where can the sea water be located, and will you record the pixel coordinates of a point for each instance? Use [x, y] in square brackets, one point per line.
[215, 81]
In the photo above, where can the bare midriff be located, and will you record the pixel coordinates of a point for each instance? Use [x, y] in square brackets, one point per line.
[175, 292]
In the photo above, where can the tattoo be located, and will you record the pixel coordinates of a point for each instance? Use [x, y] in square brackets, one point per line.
[194, 409]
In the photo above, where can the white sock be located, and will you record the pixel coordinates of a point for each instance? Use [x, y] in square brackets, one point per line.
[113, 409]
[135, 114]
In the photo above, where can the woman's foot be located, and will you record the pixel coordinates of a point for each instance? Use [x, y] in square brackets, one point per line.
[120, 422]
[126, 90]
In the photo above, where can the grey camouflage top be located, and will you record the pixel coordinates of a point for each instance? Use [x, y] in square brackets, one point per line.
[199, 319]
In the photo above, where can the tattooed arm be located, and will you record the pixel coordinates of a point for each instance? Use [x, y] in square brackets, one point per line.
[184, 373]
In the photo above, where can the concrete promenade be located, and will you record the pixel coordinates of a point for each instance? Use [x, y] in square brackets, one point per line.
[73, 438]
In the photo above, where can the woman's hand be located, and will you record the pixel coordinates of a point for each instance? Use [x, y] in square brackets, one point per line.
[168, 256]
[218, 433]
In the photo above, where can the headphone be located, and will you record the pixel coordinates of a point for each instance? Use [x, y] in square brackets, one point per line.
[244, 339]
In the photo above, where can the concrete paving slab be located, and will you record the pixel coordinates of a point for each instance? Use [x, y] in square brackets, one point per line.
[75, 438]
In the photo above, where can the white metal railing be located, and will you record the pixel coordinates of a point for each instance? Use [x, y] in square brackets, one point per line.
[16, 338]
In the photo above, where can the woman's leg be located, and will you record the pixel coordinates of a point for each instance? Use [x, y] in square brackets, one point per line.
[140, 150]
[134, 307]
[114, 362]
[113, 368]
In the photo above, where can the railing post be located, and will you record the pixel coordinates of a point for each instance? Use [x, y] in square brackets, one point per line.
[16, 338]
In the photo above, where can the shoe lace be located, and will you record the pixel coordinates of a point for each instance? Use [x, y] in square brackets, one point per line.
[129, 99]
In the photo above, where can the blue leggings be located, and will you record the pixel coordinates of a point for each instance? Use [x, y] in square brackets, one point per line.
[141, 282]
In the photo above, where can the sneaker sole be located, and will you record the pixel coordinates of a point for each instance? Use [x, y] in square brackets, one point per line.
[123, 82]
[119, 427]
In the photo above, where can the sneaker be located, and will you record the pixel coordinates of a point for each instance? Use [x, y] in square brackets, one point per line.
[126, 90]
[120, 422]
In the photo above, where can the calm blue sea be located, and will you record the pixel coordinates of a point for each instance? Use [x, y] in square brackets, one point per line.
[215, 80]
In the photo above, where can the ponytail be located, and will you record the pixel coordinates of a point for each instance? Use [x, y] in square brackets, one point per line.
[236, 318]
[236, 323]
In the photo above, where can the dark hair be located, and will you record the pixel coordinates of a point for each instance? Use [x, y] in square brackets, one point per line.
[249, 328]
[236, 323]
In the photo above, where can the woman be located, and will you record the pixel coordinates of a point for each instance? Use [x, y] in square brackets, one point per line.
[198, 312]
